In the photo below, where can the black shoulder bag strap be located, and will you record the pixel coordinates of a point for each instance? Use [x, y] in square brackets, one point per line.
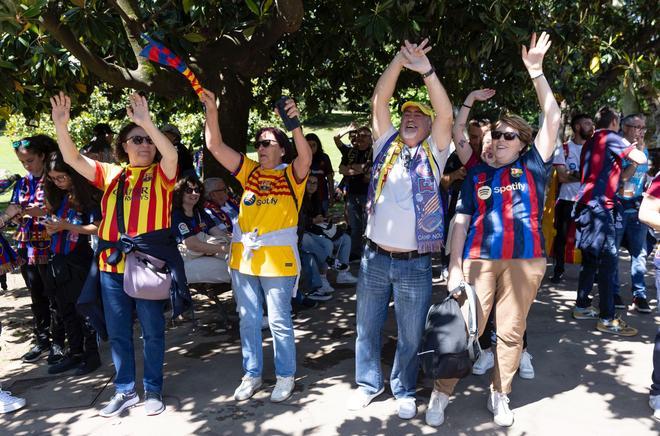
[119, 203]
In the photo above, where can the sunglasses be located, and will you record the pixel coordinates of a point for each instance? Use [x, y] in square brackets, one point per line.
[265, 143]
[195, 190]
[59, 179]
[21, 143]
[509, 136]
[137, 139]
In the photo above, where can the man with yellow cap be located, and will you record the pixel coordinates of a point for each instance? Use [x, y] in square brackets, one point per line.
[404, 226]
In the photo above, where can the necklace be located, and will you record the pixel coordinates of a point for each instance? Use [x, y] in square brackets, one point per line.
[407, 158]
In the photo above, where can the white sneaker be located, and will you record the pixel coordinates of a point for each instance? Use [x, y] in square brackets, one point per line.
[325, 286]
[361, 399]
[485, 362]
[283, 389]
[318, 295]
[654, 402]
[435, 413]
[525, 369]
[406, 407]
[9, 403]
[247, 388]
[498, 403]
[346, 278]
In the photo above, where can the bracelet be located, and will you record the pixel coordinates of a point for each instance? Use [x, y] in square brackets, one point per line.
[536, 77]
[469, 107]
[428, 73]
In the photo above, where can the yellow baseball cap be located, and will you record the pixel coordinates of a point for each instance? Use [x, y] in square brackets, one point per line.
[421, 106]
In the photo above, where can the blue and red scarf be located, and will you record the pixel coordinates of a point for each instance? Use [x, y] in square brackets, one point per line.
[429, 213]
[31, 233]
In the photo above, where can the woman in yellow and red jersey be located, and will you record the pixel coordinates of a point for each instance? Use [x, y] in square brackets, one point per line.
[149, 174]
[264, 255]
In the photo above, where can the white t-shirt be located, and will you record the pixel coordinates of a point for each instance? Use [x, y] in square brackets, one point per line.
[393, 221]
[568, 191]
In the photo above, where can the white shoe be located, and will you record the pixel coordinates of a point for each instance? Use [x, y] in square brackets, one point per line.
[485, 362]
[264, 323]
[247, 388]
[498, 403]
[319, 295]
[525, 369]
[9, 403]
[406, 407]
[654, 402]
[435, 413]
[325, 286]
[283, 389]
[346, 278]
[361, 399]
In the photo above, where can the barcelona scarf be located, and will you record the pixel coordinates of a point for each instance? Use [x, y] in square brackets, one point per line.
[31, 234]
[157, 52]
[429, 213]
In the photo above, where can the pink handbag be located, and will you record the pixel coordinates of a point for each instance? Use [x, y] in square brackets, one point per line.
[146, 277]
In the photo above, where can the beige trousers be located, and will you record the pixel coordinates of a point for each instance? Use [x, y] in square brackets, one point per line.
[511, 285]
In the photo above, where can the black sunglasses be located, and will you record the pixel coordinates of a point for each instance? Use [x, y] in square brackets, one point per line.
[509, 136]
[21, 143]
[265, 143]
[195, 190]
[137, 139]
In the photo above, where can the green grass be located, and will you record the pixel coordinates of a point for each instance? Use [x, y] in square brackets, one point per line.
[8, 162]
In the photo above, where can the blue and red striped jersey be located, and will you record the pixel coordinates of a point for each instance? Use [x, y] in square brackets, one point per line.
[66, 241]
[506, 206]
[601, 160]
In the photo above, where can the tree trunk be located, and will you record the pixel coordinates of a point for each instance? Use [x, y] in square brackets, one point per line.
[235, 95]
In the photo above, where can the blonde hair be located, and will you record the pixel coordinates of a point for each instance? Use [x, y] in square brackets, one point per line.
[516, 122]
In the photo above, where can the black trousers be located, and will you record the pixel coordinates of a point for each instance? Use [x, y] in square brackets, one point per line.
[48, 325]
[563, 217]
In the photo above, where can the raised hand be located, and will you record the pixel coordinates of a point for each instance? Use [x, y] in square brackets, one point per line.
[138, 110]
[414, 56]
[533, 58]
[209, 101]
[61, 104]
[291, 109]
[482, 94]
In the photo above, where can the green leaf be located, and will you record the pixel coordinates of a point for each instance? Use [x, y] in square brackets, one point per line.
[253, 7]
[194, 37]
[267, 4]
[187, 4]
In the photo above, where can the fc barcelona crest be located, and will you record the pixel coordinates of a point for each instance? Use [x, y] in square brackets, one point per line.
[516, 172]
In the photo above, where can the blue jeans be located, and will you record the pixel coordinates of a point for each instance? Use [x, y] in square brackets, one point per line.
[410, 281]
[357, 219]
[310, 270]
[118, 310]
[655, 376]
[629, 227]
[250, 292]
[322, 247]
[604, 264]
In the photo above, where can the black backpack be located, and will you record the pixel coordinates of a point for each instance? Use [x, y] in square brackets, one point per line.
[448, 348]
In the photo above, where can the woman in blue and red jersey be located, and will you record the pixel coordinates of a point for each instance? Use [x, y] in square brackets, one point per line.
[497, 244]
[75, 212]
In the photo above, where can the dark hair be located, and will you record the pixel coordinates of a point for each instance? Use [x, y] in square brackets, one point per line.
[102, 129]
[482, 122]
[314, 137]
[282, 140]
[604, 117]
[38, 144]
[84, 196]
[179, 188]
[118, 146]
[577, 118]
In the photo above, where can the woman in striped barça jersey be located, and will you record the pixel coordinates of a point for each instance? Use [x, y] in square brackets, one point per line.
[149, 168]
[497, 244]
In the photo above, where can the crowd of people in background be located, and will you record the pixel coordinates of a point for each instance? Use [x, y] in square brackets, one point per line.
[468, 192]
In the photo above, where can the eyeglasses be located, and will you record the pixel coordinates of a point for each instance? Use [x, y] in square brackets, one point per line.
[358, 134]
[265, 143]
[195, 190]
[640, 128]
[509, 136]
[21, 143]
[59, 179]
[137, 139]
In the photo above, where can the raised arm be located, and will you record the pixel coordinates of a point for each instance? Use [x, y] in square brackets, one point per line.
[138, 112]
[303, 161]
[459, 135]
[533, 59]
[380, 100]
[227, 156]
[61, 114]
[417, 60]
